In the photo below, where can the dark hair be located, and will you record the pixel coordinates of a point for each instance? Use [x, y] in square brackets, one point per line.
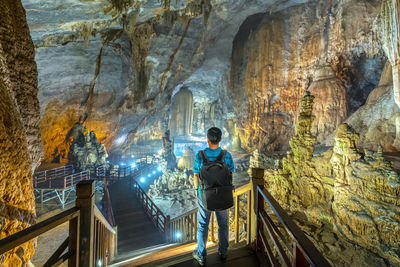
[214, 134]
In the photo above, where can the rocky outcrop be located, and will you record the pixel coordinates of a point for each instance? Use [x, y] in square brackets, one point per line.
[85, 152]
[167, 152]
[171, 182]
[356, 194]
[20, 148]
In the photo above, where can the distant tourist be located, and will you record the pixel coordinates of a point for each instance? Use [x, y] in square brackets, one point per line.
[213, 169]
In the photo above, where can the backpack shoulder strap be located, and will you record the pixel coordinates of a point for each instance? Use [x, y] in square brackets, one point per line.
[222, 155]
[203, 156]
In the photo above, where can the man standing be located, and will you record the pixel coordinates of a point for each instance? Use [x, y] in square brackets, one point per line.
[213, 197]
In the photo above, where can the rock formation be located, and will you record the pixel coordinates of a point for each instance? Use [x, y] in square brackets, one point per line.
[273, 62]
[186, 162]
[20, 147]
[171, 182]
[167, 155]
[181, 121]
[357, 194]
[390, 25]
[331, 104]
[85, 152]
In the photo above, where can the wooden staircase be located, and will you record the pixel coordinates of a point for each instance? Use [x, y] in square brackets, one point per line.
[135, 229]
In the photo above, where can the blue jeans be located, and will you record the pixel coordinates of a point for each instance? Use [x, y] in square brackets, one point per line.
[202, 230]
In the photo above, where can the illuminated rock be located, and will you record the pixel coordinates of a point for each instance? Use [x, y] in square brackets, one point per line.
[274, 59]
[186, 162]
[85, 152]
[181, 121]
[20, 147]
[171, 182]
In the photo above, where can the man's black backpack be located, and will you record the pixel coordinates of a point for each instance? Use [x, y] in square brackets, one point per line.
[215, 183]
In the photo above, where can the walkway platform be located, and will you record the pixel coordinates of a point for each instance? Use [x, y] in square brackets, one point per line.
[180, 255]
[135, 229]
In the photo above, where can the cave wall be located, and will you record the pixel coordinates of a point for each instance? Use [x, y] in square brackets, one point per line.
[20, 147]
[272, 65]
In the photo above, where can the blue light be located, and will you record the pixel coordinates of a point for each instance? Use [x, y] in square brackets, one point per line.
[142, 180]
[133, 165]
[122, 164]
[178, 235]
[148, 175]
[159, 168]
[154, 172]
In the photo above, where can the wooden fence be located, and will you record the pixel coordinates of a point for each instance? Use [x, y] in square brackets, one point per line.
[91, 239]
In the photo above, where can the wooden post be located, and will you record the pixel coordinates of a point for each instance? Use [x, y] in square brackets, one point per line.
[257, 179]
[212, 227]
[167, 229]
[73, 242]
[85, 202]
[248, 234]
[236, 219]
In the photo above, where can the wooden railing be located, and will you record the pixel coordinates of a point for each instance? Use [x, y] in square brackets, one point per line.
[74, 179]
[182, 228]
[67, 180]
[258, 222]
[304, 252]
[156, 215]
[61, 171]
[91, 240]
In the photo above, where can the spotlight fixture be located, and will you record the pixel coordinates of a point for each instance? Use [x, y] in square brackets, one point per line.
[178, 235]
[122, 164]
[99, 263]
[142, 179]
[149, 175]
[133, 165]
[154, 172]
[159, 168]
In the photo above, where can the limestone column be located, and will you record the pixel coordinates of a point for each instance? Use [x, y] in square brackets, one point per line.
[390, 21]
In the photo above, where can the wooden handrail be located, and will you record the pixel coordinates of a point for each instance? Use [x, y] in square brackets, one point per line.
[310, 252]
[149, 207]
[35, 230]
[241, 190]
[100, 217]
[185, 214]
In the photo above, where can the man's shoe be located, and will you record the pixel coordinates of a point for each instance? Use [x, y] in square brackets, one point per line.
[222, 257]
[200, 260]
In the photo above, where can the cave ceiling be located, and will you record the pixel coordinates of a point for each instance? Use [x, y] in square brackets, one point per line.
[118, 71]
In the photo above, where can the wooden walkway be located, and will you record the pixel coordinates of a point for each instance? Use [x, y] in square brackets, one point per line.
[238, 256]
[135, 229]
